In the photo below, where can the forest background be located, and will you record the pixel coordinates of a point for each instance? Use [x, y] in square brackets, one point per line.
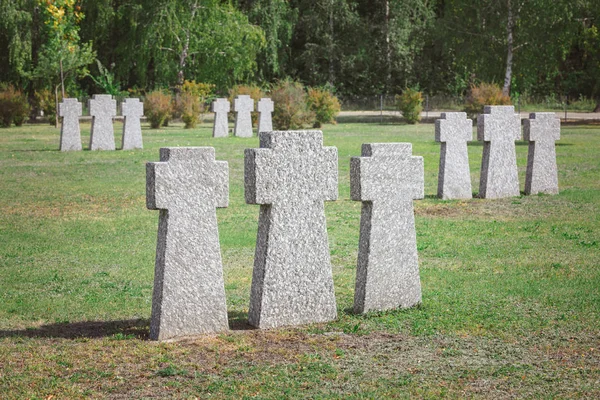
[355, 48]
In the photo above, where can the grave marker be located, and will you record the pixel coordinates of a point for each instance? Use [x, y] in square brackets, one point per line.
[290, 176]
[102, 108]
[221, 127]
[243, 106]
[498, 128]
[454, 130]
[387, 178]
[70, 135]
[187, 186]
[133, 110]
[265, 109]
[541, 130]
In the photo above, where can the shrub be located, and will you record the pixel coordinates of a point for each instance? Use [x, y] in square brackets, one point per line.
[47, 103]
[290, 107]
[410, 103]
[253, 91]
[13, 106]
[189, 107]
[158, 108]
[325, 106]
[484, 94]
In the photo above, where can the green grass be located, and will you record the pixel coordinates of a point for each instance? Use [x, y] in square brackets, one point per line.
[511, 287]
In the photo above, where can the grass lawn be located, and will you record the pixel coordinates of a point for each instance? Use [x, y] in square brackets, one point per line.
[511, 287]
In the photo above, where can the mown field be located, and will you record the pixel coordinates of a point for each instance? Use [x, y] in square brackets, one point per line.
[511, 287]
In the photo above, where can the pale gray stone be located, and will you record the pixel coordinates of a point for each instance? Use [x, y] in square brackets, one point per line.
[542, 130]
[290, 176]
[454, 130]
[498, 128]
[221, 127]
[133, 110]
[387, 178]
[70, 135]
[243, 106]
[189, 292]
[103, 109]
[265, 109]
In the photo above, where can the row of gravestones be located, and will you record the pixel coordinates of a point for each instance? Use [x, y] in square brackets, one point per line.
[290, 176]
[243, 106]
[103, 108]
[498, 128]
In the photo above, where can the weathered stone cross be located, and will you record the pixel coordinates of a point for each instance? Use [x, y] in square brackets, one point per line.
[386, 179]
[454, 130]
[290, 176]
[221, 127]
[243, 105]
[265, 108]
[133, 110]
[189, 292]
[102, 108]
[498, 127]
[541, 130]
[70, 135]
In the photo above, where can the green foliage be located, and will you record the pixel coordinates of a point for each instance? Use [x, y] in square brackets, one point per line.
[290, 106]
[324, 104]
[189, 107]
[484, 94]
[106, 81]
[46, 102]
[158, 108]
[13, 107]
[410, 104]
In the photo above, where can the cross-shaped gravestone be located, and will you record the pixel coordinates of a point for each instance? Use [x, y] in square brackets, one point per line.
[454, 130]
[133, 110]
[290, 176]
[265, 108]
[387, 178]
[498, 128]
[243, 106]
[541, 130]
[70, 135]
[189, 292]
[102, 108]
[220, 107]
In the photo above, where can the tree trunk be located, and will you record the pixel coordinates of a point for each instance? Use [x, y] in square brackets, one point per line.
[388, 48]
[509, 45]
[186, 48]
[597, 109]
[331, 33]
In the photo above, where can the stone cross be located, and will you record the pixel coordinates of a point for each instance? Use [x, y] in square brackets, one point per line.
[387, 178]
[102, 108]
[290, 176]
[243, 106]
[454, 130]
[133, 110]
[70, 135]
[541, 130]
[265, 109]
[498, 128]
[187, 186]
[221, 127]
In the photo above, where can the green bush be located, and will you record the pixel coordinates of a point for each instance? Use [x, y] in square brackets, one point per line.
[189, 107]
[325, 106]
[255, 92]
[410, 103]
[290, 106]
[158, 108]
[46, 102]
[484, 94]
[13, 106]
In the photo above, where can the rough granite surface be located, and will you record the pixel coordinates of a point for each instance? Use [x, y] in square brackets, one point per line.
[243, 106]
[133, 110]
[290, 176]
[70, 135]
[221, 127]
[103, 109]
[542, 130]
[187, 186]
[265, 111]
[387, 178]
[453, 131]
[498, 127]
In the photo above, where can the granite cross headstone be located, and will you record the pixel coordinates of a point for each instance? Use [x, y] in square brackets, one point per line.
[290, 176]
[387, 178]
[498, 128]
[221, 127]
[133, 110]
[265, 108]
[541, 130]
[454, 130]
[102, 108]
[189, 293]
[70, 135]
[243, 106]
